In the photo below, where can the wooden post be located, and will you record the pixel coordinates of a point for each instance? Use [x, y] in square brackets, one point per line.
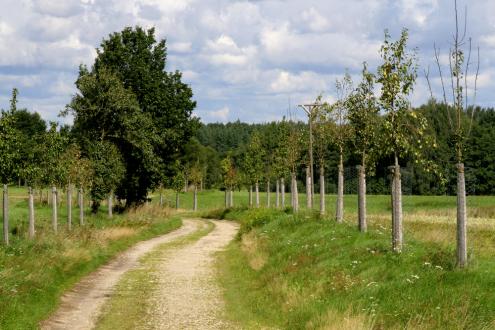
[31, 213]
[161, 198]
[277, 193]
[397, 240]
[110, 205]
[268, 202]
[322, 190]
[309, 203]
[195, 198]
[81, 206]
[257, 193]
[54, 209]
[177, 200]
[282, 191]
[69, 206]
[5, 214]
[461, 218]
[231, 197]
[339, 215]
[251, 195]
[362, 224]
[226, 198]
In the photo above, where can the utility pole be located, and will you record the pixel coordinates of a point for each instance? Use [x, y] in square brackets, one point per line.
[310, 110]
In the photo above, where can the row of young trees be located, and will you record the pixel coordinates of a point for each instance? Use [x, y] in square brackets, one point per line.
[373, 127]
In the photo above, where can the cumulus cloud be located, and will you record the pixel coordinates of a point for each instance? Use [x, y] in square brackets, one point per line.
[243, 59]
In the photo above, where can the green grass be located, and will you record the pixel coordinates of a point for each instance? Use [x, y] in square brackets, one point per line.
[479, 206]
[34, 273]
[302, 272]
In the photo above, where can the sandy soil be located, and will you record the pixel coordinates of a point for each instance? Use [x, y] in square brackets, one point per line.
[188, 296]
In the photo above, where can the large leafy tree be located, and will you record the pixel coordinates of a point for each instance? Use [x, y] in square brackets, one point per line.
[129, 99]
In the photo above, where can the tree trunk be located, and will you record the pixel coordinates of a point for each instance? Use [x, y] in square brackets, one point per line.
[308, 189]
[268, 202]
[461, 218]
[226, 197]
[250, 195]
[80, 202]
[396, 208]
[296, 195]
[31, 213]
[322, 190]
[177, 200]
[69, 206]
[161, 198]
[110, 205]
[339, 214]
[5, 214]
[362, 225]
[41, 197]
[277, 193]
[282, 191]
[54, 209]
[195, 198]
[257, 193]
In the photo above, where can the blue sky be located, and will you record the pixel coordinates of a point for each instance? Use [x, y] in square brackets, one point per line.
[244, 59]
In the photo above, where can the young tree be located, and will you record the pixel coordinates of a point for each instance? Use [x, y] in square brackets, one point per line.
[254, 163]
[364, 120]
[279, 165]
[403, 129]
[340, 134]
[322, 128]
[460, 118]
[196, 175]
[293, 145]
[177, 183]
[229, 179]
[108, 171]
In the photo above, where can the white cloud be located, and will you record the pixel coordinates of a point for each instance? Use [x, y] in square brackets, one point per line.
[315, 20]
[220, 114]
[243, 59]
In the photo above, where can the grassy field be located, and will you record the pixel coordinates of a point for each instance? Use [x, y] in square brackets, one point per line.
[432, 206]
[290, 271]
[34, 273]
[305, 272]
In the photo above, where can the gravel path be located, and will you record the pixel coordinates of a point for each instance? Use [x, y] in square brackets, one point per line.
[80, 307]
[188, 296]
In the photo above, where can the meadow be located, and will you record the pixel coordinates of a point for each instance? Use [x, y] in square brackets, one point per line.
[308, 272]
[285, 271]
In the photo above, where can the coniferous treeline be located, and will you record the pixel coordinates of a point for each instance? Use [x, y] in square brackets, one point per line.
[216, 140]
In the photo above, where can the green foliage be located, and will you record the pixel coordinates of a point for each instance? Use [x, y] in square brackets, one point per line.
[9, 147]
[363, 117]
[130, 100]
[253, 163]
[229, 173]
[107, 168]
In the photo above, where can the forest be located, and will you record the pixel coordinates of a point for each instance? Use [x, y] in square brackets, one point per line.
[212, 142]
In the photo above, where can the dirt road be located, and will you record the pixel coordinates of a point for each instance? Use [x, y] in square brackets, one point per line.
[186, 296]
[80, 307]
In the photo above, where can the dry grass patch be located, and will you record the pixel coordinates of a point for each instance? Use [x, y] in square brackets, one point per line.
[110, 234]
[334, 320]
[251, 245]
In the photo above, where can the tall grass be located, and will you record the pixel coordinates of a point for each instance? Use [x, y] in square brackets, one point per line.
[303, 272]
